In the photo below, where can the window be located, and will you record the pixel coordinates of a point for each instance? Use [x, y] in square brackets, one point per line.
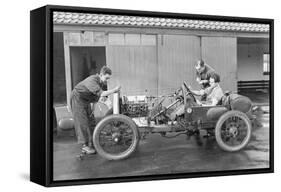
[132, 39]
[266, 64]
[116, 39]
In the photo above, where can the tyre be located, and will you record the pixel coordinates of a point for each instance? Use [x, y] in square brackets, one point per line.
[233, 131]
[116, 137]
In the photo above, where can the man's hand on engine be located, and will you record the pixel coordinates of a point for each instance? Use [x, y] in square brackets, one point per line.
[117, 89]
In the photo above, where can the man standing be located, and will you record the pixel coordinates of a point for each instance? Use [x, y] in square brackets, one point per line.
[203, 74]
[88, 91]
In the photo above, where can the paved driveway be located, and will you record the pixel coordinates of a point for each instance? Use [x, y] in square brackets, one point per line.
[157, 155]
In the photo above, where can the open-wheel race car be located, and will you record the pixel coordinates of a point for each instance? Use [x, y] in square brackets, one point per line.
[116, 136]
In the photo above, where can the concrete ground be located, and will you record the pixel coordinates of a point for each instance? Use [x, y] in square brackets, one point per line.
[157, 155]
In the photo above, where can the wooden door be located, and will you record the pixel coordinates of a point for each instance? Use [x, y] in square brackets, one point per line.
[221, 54]
[134, 68]
[177, 58]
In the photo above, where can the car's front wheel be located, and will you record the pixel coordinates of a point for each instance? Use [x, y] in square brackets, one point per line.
[116, 137]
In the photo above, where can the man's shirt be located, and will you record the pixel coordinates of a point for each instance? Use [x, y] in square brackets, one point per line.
[214, 94]
[90, 89]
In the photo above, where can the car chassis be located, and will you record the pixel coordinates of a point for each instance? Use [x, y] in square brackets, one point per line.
[117, 136]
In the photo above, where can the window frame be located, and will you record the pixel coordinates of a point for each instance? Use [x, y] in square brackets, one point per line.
[266, 69]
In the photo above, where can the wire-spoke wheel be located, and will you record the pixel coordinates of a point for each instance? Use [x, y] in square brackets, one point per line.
[233, 131]
[116, 137]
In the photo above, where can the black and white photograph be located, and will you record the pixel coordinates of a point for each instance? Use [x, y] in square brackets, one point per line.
[138, 95]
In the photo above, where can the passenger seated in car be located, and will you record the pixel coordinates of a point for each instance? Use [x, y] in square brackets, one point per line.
[214, 92]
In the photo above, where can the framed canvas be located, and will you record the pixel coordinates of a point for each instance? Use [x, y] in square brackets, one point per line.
[123, 95]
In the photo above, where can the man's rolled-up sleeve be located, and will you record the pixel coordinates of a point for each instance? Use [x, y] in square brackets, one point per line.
[94, 87]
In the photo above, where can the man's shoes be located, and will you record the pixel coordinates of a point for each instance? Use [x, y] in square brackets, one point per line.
[88, 150]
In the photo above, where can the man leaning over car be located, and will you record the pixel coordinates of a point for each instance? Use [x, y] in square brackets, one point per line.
[88, 91]
[203, 74]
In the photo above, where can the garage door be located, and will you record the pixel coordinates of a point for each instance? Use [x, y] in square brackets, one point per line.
[221, 54]
[135, 68]
[177, 57]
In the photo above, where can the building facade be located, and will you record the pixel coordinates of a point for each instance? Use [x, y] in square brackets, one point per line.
[153, 56]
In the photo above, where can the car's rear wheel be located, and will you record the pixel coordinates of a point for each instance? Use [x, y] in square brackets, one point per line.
[116, 137]
[233, 131]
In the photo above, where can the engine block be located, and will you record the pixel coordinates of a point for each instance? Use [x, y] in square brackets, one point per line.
[135, 110]
[134, 106]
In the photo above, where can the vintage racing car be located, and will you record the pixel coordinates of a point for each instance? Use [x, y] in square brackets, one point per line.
[116, 136]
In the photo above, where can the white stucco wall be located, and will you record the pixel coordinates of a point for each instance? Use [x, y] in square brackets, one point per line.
[250, 61]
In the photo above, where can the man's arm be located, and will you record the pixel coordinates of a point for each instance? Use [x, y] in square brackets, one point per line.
[111, 91]
[204, 81]
[203, 91]
[198, 93]
[95, 88]
[198, 79]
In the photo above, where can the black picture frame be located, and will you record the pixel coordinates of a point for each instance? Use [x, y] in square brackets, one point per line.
[41, 118]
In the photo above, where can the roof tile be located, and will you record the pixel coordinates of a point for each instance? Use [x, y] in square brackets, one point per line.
[101, 19]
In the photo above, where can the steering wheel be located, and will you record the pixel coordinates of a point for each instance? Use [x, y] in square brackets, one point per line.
[189, 92]
[182, 92]
[179, 94]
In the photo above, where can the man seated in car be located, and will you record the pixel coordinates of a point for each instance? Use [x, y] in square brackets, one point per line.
[214, 92]
[214, 95]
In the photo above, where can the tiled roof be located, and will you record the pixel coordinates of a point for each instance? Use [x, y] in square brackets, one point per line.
[119, 20]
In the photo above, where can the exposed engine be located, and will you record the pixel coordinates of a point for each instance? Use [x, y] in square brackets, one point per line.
[159, 110]
[134, 106]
